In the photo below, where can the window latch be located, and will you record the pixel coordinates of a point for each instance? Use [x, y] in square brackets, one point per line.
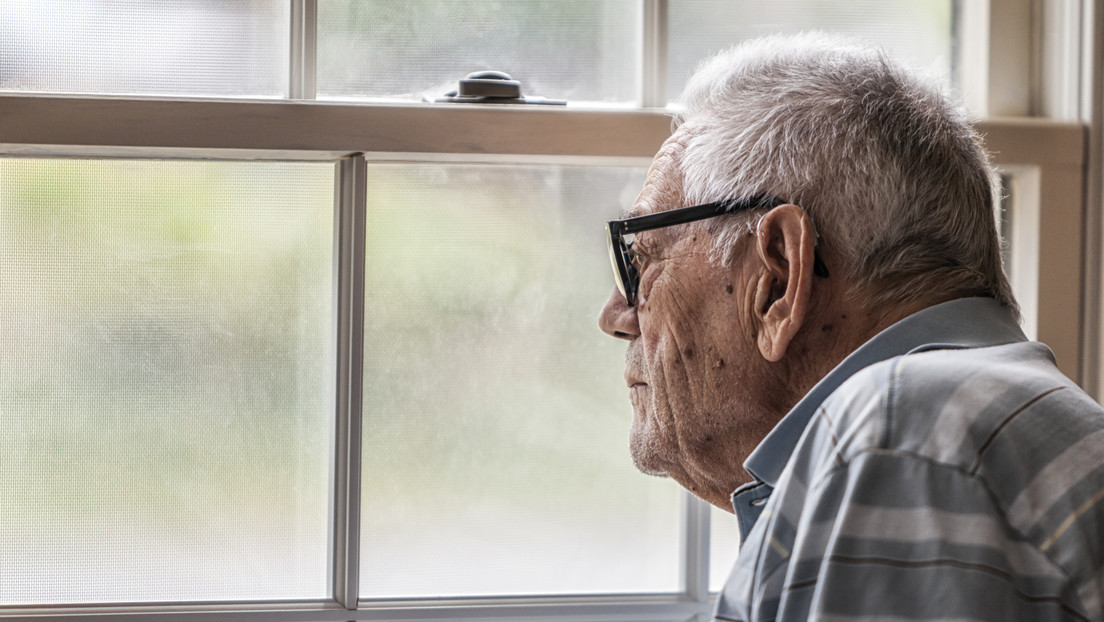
[491, 87]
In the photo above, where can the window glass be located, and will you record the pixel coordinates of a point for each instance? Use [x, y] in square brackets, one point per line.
[495, 433]
[1006, 209]
[1018, 216]
[165, 389]
[918, 32]
[137, 47]
[724, 545]
[578, 50]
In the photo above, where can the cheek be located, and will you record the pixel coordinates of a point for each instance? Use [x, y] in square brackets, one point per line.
[699, 368]
[675, 359]
[692, 343]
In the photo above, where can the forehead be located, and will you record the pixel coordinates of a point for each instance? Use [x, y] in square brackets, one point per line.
[663, 189]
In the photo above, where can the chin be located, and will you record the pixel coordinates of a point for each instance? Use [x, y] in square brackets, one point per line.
[647, 453]
[647, 467]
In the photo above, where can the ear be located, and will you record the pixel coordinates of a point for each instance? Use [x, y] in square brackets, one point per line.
[785, 243]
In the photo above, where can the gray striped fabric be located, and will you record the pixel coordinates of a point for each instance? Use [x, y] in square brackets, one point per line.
[949, 483]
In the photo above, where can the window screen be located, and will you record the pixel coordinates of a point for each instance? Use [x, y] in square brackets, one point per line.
[577, 50]
[165, 388]
[724, 545]
[495, 437]
[919, 32]
[136, 47]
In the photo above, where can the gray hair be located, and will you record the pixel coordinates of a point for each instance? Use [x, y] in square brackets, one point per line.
[890, 171]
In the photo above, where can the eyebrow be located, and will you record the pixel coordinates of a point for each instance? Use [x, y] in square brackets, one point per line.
[629, 212]
[634, 210]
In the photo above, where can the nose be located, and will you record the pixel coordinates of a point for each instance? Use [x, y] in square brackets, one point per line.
[618, 319]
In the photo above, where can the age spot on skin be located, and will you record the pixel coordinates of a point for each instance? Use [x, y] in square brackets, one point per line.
[688, 353]
[826, 328]
[728, 288]
[718, 364]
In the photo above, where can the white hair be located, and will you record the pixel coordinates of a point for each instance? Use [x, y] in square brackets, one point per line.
[890, 171]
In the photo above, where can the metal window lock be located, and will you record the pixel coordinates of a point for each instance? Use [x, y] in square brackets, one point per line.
[491, 87]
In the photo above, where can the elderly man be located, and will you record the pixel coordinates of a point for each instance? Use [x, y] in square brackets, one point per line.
[825, 343]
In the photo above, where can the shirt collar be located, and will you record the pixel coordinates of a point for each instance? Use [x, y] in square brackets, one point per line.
[960, 323]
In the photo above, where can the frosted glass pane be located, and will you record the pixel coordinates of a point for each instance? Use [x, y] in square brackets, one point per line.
[138, 47]
[165, 383]
[568, 49]
[724, 545]
[917, 32]
[496, 420]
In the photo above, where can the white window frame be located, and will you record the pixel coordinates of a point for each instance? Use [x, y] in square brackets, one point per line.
[1057, 273]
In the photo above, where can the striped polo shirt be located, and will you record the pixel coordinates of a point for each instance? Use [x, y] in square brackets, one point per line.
[946, 470]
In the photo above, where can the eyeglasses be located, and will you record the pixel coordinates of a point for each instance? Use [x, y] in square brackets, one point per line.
[626, 262]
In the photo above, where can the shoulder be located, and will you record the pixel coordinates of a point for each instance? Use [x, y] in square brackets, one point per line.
[952, 405]
[959, 431]
[1003, 415]
[959, 407]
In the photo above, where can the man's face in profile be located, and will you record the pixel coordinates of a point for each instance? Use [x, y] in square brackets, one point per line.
[692, 365]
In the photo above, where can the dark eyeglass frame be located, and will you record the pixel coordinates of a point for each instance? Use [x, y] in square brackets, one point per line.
[625, 273]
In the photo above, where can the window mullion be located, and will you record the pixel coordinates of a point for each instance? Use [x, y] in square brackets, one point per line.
[653, 79]
[695, 548]
[349, 243]
[303, 49]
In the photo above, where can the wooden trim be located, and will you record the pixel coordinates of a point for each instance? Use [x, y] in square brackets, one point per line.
[281, 126]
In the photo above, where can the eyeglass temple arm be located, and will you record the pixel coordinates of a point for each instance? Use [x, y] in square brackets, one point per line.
[669, 218]
[690, 214]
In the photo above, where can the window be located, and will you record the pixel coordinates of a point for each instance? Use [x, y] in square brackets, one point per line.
[236, 48]
[918, 33]
[492, 453]
[166, 384]
[275, 358]
[575, 50]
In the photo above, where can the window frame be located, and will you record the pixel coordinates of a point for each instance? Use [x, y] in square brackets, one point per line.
[1059, 294]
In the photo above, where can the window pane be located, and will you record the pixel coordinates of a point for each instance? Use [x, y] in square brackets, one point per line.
[165, 383]
[1018, 207]
[916, 32]
[137, 47]
[724, 544]
[496, 419]
[568, 49]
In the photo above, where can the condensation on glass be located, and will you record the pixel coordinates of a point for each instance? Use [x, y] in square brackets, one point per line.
[578, 50]
[918, 33]
[166, 385]
[232, 48]
[495, 434]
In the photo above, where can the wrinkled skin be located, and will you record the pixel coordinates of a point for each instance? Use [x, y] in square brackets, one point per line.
[702, 395]
[718, 354]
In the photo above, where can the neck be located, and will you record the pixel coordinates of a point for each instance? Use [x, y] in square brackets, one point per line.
[834, 331]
